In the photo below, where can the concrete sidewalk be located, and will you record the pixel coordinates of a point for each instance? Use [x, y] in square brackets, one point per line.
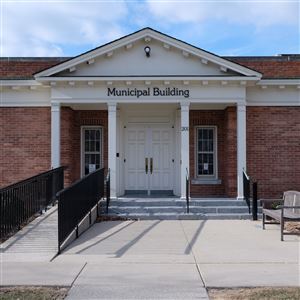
[165, 260]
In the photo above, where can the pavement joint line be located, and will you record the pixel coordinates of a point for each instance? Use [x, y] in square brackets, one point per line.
[78, 274]
[193, 254]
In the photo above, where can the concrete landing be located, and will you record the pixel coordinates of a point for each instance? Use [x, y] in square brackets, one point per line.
[161, 260]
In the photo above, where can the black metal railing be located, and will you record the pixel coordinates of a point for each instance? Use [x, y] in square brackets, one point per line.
[187, 191]
[246, 184]
[76, 202]
[107, 185]
[20, 201]
[250, 194]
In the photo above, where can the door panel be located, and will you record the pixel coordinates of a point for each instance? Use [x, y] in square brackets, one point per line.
[135, 176]
[151, 142]
[160, 150]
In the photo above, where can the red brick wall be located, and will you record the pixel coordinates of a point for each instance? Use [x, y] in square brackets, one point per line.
[70, 154]
[273, 146]
[230, 156]
[25, 143]
[71, 122]
[225, 120]
[273, 149]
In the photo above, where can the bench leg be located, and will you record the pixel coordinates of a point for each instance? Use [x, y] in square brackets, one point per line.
[263, 220]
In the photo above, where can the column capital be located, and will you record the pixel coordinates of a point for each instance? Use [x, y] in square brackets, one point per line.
[112, 106]
[241, 107]
[55, 106]
[185, 105]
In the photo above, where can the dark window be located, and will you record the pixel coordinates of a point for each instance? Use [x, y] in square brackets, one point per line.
[92, 147]
[206, 151]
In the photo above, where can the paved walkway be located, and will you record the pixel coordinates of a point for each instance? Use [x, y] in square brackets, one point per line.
[165, 260]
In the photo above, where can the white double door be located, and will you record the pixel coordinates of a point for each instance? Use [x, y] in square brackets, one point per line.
[149, 159]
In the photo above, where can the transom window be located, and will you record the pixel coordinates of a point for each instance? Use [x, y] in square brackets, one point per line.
[206, 151]
[92, 157]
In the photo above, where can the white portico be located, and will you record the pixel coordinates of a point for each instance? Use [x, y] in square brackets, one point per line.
[148, 94]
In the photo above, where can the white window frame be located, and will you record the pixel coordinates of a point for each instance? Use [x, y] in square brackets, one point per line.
[82, 146]
[215, 156]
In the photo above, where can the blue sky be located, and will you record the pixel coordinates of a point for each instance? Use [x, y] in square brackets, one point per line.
[70, 27]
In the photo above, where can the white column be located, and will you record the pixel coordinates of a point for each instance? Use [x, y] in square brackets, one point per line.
[55, 134]
[185, 145]
[241, 148]
[112, 147]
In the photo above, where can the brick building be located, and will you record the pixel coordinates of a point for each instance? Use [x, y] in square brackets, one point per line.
[152, 109]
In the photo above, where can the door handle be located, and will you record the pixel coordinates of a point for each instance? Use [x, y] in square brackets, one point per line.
[151, 165]
[146, 165]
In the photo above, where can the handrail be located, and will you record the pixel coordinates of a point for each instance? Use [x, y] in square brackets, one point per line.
[247, 184]
[244, 171]
[187, 191]
[22, 200]
[76, 202]
[107, 183]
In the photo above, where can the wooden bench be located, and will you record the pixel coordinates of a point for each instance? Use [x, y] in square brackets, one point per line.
[284, 210]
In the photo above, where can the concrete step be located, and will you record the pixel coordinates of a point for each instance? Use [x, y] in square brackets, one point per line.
[184, 216]
[174, 208]
[176, 202]
[180, 209]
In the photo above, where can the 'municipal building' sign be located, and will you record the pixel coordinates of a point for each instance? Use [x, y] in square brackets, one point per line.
[155, 91]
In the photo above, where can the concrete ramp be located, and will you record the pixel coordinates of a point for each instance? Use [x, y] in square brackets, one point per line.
[37, 241]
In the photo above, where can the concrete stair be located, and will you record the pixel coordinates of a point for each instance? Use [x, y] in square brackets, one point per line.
[175, 209]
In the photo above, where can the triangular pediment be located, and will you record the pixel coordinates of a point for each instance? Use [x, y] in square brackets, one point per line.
[126, 57]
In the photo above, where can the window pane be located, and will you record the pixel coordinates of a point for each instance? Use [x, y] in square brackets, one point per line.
[211, 145]
[92, 135]
[97, 146]
[92, 150]
[205, 156]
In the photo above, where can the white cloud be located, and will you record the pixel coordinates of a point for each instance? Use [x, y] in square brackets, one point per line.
[257, 13]
[67, 27]
[41, 28]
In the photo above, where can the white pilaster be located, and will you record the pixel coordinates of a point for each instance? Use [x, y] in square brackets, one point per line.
[112, 147]
[241, 148]
[55, 134]
[185, 145]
